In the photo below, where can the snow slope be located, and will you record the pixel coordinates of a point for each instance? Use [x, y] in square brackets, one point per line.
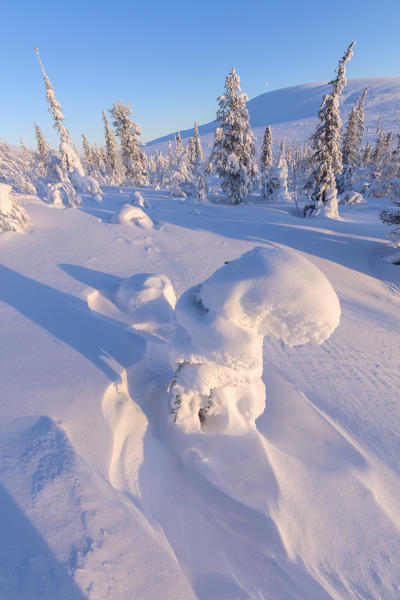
[103, 497]
[292, 111]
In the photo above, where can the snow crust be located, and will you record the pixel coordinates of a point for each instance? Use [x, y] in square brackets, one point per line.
[221, 323]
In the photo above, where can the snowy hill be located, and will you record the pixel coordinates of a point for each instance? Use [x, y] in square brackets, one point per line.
[292, 111]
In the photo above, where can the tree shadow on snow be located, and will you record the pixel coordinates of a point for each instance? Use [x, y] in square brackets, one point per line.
[70, 320]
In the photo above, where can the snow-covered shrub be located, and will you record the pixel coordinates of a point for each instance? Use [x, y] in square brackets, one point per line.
[275, 182]
[350, 197]
[392, 217]
[216, 348]
[138, 199]
[16, 169]
[132, 214]
[12, 216]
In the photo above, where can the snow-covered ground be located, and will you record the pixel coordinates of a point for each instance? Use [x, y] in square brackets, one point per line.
[102, 496]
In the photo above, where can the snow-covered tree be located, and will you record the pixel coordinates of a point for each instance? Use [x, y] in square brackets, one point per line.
[16, 170]
[69, 173]
[266, 160]
[381, 171]
[351, 147]
[128, 132]
[12, 216]
[115, 168]
[234, 148]
[327, 152]
[366, 157]
[43, 147]
[392, 218]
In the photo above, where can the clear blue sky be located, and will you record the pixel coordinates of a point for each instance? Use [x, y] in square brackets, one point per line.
[169, 58]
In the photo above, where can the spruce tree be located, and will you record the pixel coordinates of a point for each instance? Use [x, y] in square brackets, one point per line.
[43, 147]
[351, 146]
[234, 149]
[327, 152]
[133, 158]
[114, 164]
[66, 168]
[266, 161]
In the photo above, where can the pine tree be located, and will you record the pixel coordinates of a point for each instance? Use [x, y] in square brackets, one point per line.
[133, 158]
[115, 167]
[326, 144]
[234, 148]
[351, 147]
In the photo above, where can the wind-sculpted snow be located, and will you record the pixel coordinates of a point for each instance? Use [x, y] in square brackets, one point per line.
[220, 326]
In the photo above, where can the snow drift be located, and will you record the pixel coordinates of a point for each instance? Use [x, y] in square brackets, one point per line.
[220, 325]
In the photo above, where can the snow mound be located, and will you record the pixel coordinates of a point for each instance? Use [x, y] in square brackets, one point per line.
[12, 216]
[148, 297]
[217, 345]
[138, 199]
[135, 214]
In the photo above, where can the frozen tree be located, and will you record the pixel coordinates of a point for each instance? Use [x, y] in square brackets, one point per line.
[234, 148]
[351, 147]
[327, 152]
[367, 155]
[133, 158]
[16, 170]
[43, 147]
[42, 155]
[69, 172]
[178, 177]
[381, 164]
[115, 167]
[266, 160]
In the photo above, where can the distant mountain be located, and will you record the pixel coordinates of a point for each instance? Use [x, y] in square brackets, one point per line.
[292, 111]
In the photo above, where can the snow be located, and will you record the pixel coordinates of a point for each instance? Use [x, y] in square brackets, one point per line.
[103, 496]
[220, 326]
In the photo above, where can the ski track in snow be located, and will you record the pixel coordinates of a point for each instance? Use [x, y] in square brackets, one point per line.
[104, 493]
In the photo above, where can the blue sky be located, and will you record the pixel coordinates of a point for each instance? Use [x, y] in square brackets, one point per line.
[169, 59]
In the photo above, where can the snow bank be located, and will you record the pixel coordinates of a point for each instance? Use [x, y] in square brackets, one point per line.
[216, 348]
[12, 216]
[135, 214]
